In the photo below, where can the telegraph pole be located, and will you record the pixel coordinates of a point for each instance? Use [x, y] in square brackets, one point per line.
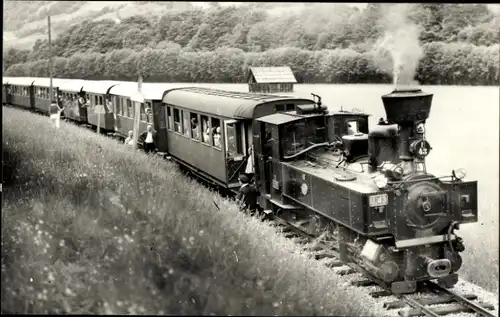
[138, 98]
[50, 62]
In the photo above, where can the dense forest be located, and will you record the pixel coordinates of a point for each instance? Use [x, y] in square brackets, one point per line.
[324, 42]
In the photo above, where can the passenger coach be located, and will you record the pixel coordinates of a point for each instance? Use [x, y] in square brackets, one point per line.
[71, 98]
[210, 131]
[20, 92]
[96, 93]
[5, 91]
[151, 112]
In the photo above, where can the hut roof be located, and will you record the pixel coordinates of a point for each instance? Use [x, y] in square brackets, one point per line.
[273, 75]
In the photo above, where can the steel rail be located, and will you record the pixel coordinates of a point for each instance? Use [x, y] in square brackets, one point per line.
[461, 300]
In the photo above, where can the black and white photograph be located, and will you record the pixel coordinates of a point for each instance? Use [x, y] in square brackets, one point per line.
[250, 158]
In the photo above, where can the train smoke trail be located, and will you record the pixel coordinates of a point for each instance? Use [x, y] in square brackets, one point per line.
[401, 40]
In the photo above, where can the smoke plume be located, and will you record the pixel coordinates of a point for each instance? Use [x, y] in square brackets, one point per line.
[401, 41]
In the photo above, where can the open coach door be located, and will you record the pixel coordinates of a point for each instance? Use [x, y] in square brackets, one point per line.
[236, 150]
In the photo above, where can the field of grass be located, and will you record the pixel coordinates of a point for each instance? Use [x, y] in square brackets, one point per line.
[91, 227]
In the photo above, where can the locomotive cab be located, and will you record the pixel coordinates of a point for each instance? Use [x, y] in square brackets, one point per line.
[282, 137]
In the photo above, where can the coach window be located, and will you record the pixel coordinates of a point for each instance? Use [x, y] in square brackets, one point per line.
[130, 109]
[216, 133]
[121, 106]
[195, 126]
[290, 107]
[177, 121]
[205, 129]
[149, 111]
[143, 113]
[233, 138]
[169, 118]
[279, 108]
[101, 102]
[185, 123]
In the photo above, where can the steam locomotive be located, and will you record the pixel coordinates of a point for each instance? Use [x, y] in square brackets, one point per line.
[317, 170]
[326, 171]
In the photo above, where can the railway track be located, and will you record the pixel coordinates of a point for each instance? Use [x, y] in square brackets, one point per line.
[422, 303]
[430, 300]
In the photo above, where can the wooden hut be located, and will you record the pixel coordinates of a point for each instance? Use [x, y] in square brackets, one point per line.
[271, 79]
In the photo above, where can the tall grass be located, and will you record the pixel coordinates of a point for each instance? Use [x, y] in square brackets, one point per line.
[89, 226]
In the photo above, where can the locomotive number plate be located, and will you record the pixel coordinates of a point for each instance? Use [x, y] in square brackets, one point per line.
[378, 200]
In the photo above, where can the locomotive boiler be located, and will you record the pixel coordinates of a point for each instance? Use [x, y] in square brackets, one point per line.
[322, 171]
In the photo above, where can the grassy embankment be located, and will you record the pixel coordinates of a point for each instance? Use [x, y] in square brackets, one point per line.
[91, 227]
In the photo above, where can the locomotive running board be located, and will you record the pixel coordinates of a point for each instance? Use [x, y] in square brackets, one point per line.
[424, 240]
[280, 204]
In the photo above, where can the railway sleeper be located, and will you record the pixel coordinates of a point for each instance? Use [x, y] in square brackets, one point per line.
[427, 301]
[347, 271]
[445, 310]
[378, 294]
[319, 256]
[364, 283]
[334, 264]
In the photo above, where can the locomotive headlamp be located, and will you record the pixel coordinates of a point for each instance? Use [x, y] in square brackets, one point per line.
[381, 181]
[459, 173]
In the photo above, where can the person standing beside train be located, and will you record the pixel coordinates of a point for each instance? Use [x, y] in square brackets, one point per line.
[148, 139]
[130, 140]
[55, 114]
[247, 195]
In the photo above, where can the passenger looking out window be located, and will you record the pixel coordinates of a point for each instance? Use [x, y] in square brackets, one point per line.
[217, 137]
[109, 105]
[206, 129]
[177, 121]
[216, 133]
[195, 128]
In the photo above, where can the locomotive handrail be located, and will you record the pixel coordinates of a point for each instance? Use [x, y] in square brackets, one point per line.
[286, 157]
[402, 182]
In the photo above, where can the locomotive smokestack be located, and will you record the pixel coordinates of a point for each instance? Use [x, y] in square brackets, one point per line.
[407, 107]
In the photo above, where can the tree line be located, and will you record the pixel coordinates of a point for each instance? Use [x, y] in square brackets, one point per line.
[441, 64]
[253, 29]
[316, 36]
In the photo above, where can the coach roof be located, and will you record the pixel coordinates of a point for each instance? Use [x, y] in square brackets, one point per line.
[71, 85]
[101, 87]
[150, 91]
[229, 104]
[21, 81]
